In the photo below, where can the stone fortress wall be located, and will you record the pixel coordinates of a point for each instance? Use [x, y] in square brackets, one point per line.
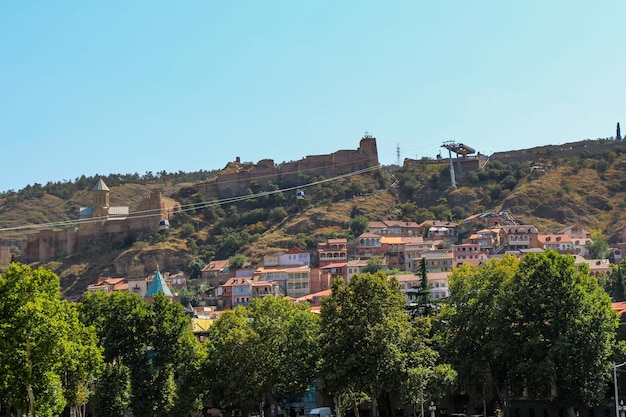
[539, 153]
[100, 235]
[236, 177]
[567, 150]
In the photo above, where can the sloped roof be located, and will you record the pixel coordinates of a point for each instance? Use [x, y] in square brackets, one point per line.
[294, 250]
[216, 266]
[100, 186]
[619, 306]
[335, 265]
[157, 286]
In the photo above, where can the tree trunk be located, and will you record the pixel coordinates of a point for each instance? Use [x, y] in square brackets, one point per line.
[29, 387]
[337, 406]
[374, 406]
[389, 405]
[571, 411]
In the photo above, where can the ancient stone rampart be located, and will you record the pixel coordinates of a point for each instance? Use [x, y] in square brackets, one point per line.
[566, 150]
[100, 235]
[235, 180]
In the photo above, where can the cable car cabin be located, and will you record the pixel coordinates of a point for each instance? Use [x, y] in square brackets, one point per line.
[300, 195]
[164, 224]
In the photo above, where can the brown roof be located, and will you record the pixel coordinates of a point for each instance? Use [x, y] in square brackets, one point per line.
[335, 265]
[294, 249]
[215, 266]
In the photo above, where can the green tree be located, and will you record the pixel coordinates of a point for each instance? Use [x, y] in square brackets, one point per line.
[389, 352]
[195, 268]
[618, 293]
[46, 356]
[565, 332]
[144, 347]
[359, 224]
[541, 324]
[272, 331]
[424, 301]
[237, 261]
[598, 248]
[472, 317]
[374, 264]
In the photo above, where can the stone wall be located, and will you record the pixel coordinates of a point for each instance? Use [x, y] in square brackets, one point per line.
[5, 256]
[238, 178]
[567, 150]
[99, 236]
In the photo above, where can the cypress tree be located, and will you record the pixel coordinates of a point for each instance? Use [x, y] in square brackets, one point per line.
[619, 285]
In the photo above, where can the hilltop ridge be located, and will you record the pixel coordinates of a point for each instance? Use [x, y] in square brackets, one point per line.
[551, 189]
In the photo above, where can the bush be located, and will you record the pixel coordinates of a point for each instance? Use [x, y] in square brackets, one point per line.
[187, 230]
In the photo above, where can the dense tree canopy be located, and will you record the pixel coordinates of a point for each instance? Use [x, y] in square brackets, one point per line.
[47, 357]
[369, 349]
[145, 346]
[540, 325]
[269, 348]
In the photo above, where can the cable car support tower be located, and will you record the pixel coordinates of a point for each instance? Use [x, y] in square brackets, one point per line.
[458, 149]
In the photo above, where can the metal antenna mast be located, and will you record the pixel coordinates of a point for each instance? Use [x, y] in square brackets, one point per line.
[398, 154]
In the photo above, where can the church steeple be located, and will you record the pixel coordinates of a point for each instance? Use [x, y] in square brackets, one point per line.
[100, 200]
[158, 285]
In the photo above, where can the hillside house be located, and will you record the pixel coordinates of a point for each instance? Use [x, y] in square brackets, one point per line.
[394, 248]
[437, 281]
[561, 243]
[468, 254]
[487, 239]
[438, 260]
[216, 271]
[332, 251]
[315, 299]
[336, 270]
[138, 286]
[618, 252]
[354, 267]
[368, 245]
[513, 238]
[575, 231]
[439, 230]
[293, 256]
[486, 219]
[320, 281]
[240, 291]
[108, 285]
[413, 253]
[294, 281]
[597, 267]
[394, 227]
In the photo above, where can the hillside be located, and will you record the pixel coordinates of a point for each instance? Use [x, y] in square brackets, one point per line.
[551, 194]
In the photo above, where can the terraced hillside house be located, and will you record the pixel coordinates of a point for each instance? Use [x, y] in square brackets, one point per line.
[332, 251]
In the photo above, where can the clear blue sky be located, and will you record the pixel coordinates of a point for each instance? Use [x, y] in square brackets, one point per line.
[90, 87]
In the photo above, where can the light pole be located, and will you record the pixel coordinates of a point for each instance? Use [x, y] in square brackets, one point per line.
[615, 387]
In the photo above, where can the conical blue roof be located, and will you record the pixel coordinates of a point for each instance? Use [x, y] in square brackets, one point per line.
[157, 286]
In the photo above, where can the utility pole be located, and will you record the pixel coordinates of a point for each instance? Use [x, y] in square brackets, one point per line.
[398, 154]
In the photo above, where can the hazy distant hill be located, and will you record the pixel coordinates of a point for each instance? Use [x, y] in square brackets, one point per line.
[549, 192]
